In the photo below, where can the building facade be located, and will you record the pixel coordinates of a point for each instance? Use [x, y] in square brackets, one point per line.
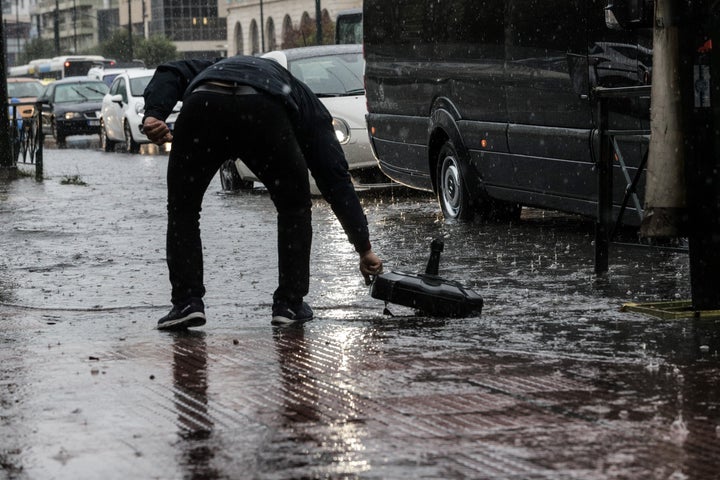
[198, 28]
[75, 25]
[258, 26]
[17, 27]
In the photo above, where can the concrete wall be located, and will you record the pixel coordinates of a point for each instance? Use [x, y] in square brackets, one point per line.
[243, 21]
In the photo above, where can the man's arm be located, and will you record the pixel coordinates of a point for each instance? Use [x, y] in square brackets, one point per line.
[166, 88]
[168, 85]
[329, 167]
[156, 130]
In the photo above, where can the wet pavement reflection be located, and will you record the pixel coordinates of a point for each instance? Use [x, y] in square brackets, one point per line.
[551, 381]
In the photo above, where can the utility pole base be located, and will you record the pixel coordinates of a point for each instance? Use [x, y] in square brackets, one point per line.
[664, 222]
[8, 173]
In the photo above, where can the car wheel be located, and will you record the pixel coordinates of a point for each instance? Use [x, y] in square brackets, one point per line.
[453, 195]
[131, 146]
[105, 143]
[59, 138]
[231, 180]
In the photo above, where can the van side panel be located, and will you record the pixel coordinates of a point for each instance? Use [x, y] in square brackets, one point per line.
[549, 113]
[516, 79]
[401, 148]
[547, 64]
[417, 52]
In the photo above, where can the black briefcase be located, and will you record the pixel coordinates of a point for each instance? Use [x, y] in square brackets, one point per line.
[427, 293]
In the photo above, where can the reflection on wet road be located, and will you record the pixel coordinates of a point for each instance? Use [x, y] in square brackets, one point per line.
[551, 381]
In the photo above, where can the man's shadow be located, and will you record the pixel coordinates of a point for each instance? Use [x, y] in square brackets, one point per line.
[298, 384]
[190, 386]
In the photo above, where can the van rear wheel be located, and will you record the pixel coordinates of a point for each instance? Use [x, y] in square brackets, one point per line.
[453, 195]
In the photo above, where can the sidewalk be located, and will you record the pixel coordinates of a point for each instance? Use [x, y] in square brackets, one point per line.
[552, 381]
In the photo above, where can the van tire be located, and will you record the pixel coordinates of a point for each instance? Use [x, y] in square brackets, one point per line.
[453, 195]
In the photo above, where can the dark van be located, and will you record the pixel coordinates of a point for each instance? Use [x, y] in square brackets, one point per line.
[489, 103]
[349, 26]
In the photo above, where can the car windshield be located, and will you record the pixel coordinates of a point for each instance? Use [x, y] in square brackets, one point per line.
[80, 92]
[137, 85]
[331, 75]
[24, 89]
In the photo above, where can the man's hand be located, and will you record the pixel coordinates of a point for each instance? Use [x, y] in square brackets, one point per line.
[156, 130]
[370, 264]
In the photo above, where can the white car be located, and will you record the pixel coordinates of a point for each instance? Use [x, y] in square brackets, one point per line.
[123, 109]
[106, 75]
[335, 74]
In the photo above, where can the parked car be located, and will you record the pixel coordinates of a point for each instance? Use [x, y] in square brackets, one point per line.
[71, 106]
[24, 90]
[335, 74]
[107, 75]
[123, 110]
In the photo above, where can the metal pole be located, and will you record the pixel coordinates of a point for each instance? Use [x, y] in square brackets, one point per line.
[130, 43]
[262, 29]
[40, 139]
[701, 117]
[56, 23]
[144, 16]
[17, 31]
[604, 205]
[318, 22]
[75, 27]
[6, 159]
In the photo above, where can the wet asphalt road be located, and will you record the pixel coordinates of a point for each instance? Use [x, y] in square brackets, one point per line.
[551, 381]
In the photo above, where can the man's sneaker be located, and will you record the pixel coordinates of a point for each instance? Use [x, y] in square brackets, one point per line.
[285, 314]
[190, 314]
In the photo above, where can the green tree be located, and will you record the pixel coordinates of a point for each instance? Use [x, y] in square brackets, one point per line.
[156, 50]
[118, 46]
[306, 33]
[37, 48]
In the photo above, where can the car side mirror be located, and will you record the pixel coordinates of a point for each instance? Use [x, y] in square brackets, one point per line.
[117, 99]
[629, 14]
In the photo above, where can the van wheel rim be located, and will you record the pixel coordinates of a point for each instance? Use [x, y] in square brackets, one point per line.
[451, 186]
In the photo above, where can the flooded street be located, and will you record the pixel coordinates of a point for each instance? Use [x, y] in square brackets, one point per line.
[551, 381]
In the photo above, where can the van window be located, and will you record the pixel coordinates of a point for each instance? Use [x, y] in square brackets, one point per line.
[349, 27]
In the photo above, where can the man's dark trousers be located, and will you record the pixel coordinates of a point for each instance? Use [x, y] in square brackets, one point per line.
[212, 128]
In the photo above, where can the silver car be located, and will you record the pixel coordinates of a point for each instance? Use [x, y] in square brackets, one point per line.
[335, 74]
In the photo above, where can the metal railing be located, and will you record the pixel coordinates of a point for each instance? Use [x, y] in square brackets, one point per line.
[26, 136]
[609, 151]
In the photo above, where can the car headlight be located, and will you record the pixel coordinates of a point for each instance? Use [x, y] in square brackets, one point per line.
[139, 109]
[342, 131]
[71, 115]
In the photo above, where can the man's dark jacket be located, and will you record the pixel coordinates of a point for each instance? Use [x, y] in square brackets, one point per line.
[174, 80]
